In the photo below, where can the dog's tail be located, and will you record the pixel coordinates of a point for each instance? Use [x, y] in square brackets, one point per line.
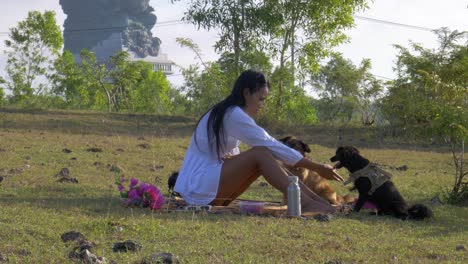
[419, 212]
[347, 199]
[171, 182]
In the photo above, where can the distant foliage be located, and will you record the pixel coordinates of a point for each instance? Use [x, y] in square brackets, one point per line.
[32, 45]
[2, 93]
[431, 88]
[430, 97]
[346, 89]
[122, 85]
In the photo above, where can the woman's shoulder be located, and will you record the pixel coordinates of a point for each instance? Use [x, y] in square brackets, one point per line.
[236, 112]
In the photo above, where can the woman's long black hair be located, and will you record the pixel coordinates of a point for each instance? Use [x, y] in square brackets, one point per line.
[249, 79]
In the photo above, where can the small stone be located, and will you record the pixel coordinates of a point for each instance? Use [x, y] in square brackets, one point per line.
[27, 166]
[72, 236]
[85, 244]
[402, 168]
[156, 167]
[68, 179]
[3, 258]
[128, 245]
[158, 180]
[94, 150]
[87, 257]
[65, 172]
[160, 258]
[16, 171]
[24, 252]
[65, 150]
[460, 248]
[333, 262]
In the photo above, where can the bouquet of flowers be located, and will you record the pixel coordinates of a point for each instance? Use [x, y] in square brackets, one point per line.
[140, 194]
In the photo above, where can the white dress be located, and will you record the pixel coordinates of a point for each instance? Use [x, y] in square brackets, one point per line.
[200, 173]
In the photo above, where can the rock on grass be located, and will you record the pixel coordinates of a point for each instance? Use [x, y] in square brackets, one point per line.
[128, 245]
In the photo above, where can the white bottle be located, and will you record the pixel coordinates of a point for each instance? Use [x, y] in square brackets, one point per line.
[294, 196]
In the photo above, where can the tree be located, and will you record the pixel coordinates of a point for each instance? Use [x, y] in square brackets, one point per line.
[344, 87]
[303, 33]
[150, 92]
[69, 82]
[239, 22]
[430, 96]
[2, 93]
[298, 33]
[33, 44]
[97, 80]
[368, 93]
[120, 85]
[205, 86]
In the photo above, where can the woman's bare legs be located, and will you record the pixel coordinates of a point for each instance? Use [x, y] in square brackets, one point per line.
[240, 171]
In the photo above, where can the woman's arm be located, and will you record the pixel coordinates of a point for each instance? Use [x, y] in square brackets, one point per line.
[324, 170]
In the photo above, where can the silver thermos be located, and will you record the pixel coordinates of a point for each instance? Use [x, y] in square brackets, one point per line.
[294, 196]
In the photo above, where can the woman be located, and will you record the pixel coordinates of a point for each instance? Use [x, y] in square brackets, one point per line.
[215, 172]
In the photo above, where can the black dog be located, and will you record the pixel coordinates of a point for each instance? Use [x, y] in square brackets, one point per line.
[171, 182]
[383, 194]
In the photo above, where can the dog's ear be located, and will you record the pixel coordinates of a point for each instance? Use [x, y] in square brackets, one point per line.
[305, 147]
[348, 152]
[285, 139]
[355, 150]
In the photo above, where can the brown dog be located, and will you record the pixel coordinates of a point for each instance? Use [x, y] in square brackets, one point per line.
[311, 179]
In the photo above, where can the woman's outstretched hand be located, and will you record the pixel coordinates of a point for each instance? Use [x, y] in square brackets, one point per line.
[328, 172]
[324, 170]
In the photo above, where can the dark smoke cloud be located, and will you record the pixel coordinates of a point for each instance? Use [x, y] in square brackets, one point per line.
[89, 22]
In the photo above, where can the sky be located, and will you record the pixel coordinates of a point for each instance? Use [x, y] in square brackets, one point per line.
[372, 37]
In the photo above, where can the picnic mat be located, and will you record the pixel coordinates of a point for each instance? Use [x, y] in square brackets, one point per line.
[274, 209]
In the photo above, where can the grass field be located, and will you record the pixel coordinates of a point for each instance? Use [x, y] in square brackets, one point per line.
[35, 209]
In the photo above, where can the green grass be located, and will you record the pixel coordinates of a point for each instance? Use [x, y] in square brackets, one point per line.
[35, 209]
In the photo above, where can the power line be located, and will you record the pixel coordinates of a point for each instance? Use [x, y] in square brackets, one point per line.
[160, 24]
[382, 77]
[393, 23]
[178, 22]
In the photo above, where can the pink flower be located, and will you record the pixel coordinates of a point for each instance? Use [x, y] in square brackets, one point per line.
[156, 199]
[157, 203]
[141, 194]
[133, 182]
[142, 188]
[133, 195]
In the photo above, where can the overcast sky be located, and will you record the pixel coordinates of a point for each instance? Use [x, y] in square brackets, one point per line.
[369, 39]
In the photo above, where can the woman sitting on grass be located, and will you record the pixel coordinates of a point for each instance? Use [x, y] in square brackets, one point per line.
[215, 172]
